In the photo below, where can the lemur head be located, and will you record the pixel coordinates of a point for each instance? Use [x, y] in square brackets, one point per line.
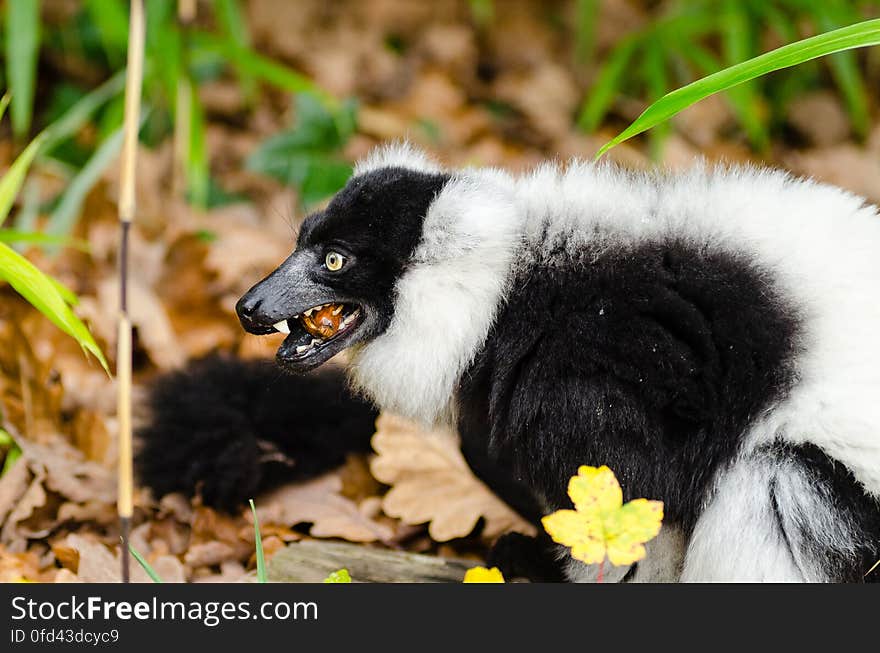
[336, 289]
[405, 266]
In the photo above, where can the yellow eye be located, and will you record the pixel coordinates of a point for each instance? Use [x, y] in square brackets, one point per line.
[334, 261]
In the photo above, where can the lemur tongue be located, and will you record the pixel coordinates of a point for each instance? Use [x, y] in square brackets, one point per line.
[323, 323]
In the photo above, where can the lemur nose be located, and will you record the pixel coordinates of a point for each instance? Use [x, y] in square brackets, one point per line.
[247, 306]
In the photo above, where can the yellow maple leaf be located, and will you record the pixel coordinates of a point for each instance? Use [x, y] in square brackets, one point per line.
[483, 575]
[601, 524]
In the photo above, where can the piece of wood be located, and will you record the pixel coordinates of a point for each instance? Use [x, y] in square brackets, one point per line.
[312, 561]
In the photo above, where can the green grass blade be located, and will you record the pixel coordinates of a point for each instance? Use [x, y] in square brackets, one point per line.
[862, 34]
[37, 238]
[261, 67]
[844, 66]
[111, 21]
[258, 543]
[42, 292]
[64, 217]
[4, 103]
[197, 169]
[658, 84]
[736, 39]
[587, 12]
[146, 566]
[14, 177]
[233, 23]
[22, 45]
[29, 211]
[79, 114]
[13, 451]
[607, 82]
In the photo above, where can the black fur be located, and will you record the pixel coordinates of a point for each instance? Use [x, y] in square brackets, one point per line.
[651, 360]
[376, 220]
[231, 429]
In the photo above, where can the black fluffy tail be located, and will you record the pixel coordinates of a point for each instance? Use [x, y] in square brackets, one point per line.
[230, 429]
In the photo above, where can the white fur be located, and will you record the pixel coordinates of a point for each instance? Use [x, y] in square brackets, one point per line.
[399, 154]
[446, 301]
[755, 526]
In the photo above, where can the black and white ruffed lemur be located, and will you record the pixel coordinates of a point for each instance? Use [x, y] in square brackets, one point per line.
[713, 337]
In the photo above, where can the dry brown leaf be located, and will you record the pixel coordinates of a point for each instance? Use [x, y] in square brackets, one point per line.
[147, 313]
[67, 473]
[14, 535]
[208, 554]
[19, 567]
[13, 484]
[97, 564]
[231, 571]
[431, 482]
[320, 503]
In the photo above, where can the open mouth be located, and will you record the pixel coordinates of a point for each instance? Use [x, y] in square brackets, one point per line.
[318, 333]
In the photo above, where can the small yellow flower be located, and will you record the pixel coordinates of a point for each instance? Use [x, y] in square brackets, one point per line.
[601, 525]
[483, 575]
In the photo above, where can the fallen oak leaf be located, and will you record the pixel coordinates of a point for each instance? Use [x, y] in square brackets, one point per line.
[431, 482]
[95, 563]
[13, 535]
[13, 484]
[67, 472]
[320, 502]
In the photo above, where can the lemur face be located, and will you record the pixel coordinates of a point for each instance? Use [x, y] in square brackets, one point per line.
[337, 288]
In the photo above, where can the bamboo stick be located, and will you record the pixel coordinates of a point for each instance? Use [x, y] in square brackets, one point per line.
[127, 205]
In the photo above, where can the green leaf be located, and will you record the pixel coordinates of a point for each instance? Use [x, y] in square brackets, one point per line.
[736, 38]
[608, 80]
[260, 67]
[197, 171]
[111, 20]
[308, 156]
[4, 102]
[22, 45]
[862, 34]
[844, 67]
[587, 12]
[37, 238]
[146, 566]
[233, 24]
[12, 457]
[43, 293]
[13, 451]
[79, 114]
[14, 177]
[258, 543]
[64, 217]
[339, 576]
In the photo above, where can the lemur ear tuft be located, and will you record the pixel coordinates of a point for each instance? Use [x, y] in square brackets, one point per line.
[400, 154]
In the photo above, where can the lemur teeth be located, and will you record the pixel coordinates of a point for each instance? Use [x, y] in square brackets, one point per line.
[315, 342]
[282, 327]
[302, 348]
[337, 310]
[308, 313]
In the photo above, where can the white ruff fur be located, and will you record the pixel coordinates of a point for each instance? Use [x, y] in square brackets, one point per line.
[446, 301]
[819, 245]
